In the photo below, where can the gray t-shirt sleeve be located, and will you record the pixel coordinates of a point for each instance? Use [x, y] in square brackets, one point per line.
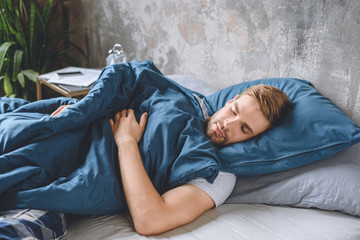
[220, 190]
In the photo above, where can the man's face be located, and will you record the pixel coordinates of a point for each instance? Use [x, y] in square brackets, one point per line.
[240, 119]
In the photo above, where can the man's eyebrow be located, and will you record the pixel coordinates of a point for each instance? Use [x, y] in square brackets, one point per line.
[245, 124]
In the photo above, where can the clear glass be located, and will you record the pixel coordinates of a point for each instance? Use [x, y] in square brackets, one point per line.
[116, 55]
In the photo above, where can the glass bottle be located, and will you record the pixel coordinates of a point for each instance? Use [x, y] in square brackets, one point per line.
[116, 55]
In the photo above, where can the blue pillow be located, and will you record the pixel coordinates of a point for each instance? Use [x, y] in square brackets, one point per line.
[313, 129]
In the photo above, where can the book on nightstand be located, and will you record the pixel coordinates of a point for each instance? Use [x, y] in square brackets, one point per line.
[69, 81]
[72, 78]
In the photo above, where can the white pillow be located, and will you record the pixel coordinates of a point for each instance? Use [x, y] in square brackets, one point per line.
[330, 184]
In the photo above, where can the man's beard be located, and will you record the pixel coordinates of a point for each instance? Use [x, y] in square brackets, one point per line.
[212, 135]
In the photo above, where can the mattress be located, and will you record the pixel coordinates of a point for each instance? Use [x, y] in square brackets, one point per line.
[230, 221]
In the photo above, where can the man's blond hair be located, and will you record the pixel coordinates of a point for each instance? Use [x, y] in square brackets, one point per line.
[272, 101]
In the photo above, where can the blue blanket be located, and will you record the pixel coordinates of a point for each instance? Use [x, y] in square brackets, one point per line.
[69, 163]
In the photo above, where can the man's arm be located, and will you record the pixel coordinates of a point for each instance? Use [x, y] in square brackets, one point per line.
[151, 213]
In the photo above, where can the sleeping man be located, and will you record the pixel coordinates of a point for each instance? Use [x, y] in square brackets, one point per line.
[63, 160]
[245, 116]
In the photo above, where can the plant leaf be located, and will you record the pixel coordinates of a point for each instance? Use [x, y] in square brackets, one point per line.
[9, 5]
[8, 88]
[21, 79]
[3, 27]
[3, 50]
[40, 45]
[20, 35]
[22, 8]
[32, 28]
[30, 74]
[46, 13]
[8, 17]
[41, 20]
[17, 63]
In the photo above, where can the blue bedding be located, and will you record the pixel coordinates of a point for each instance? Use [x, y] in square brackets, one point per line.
[69, 163]
[25, 224]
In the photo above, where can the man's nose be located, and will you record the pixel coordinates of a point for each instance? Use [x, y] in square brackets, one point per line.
[228, 123]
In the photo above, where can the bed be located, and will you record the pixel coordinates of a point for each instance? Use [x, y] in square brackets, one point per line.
[231, 221]
[319, 200]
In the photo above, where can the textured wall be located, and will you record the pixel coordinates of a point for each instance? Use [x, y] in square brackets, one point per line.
[228, 41]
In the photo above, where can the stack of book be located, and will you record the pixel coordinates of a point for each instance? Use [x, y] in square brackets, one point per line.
[72, 79]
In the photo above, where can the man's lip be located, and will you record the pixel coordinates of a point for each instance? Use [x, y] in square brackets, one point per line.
[219, 132]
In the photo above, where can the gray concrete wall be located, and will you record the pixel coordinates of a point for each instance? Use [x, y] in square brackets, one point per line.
[230, 41]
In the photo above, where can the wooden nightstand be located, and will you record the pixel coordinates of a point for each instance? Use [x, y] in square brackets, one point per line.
[65, 90]
[54, 90]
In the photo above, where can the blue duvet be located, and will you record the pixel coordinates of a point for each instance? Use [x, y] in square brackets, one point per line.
[69, 163]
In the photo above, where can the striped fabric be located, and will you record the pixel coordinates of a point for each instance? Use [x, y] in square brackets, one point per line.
[31, 224]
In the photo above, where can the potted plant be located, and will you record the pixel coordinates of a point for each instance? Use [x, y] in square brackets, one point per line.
[34, 39]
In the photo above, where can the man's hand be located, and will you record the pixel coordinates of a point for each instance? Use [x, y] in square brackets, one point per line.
[125, 127]
[59, 110]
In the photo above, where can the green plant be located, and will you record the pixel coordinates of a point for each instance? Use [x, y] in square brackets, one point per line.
[34, 39]
[14, 83]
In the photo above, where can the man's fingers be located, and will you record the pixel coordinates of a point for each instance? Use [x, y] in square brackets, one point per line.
[54, 114]
[130, 113]
[117, 116]
[59, 110]
[143, 120]
[123, 113]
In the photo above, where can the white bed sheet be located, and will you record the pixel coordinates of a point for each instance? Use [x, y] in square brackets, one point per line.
[231, 221]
